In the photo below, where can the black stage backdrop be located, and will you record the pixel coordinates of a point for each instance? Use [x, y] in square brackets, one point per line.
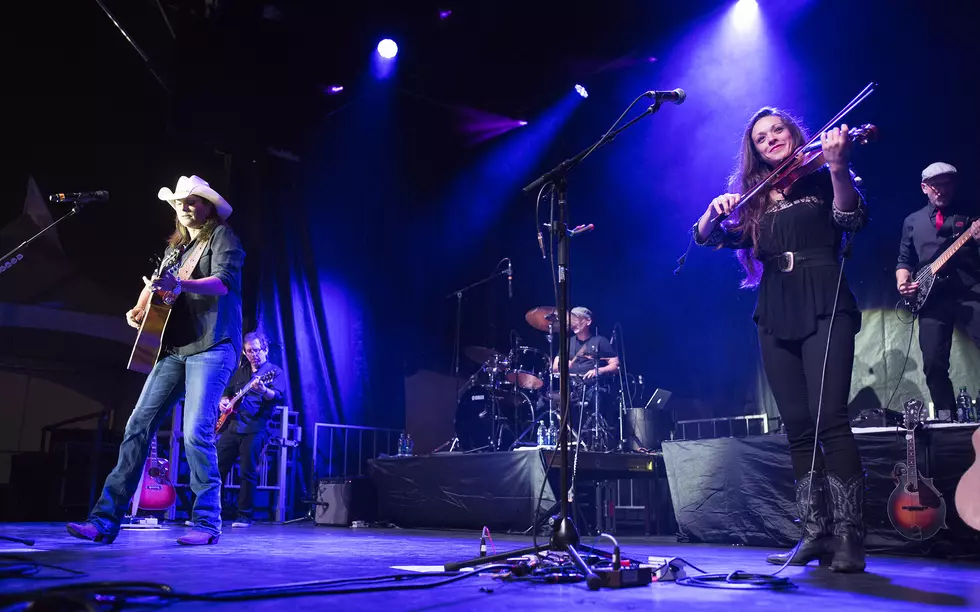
[740, 490]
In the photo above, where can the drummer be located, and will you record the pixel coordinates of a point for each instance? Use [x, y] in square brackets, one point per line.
[585, 350]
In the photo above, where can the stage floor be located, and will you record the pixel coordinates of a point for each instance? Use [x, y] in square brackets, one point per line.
[266, 555]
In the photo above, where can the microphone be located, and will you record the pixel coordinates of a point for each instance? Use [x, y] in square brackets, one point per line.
[510, 280]
[80, 197]
[677, 96]
[613, 339]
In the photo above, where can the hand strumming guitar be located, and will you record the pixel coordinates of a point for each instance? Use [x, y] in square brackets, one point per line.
[225, 404]
[134, 317]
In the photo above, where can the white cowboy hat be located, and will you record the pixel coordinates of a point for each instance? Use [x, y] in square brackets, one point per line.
[195, 185]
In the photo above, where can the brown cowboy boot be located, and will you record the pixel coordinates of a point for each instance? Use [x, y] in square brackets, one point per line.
[89, 531]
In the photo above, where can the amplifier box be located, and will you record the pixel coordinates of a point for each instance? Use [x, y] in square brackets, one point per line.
[343, 501]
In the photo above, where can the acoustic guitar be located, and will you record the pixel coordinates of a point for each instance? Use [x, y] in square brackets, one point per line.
[916, 508]
[928, 273]
[266, 378]
[967, 496]
[155, 492]
[156, 313]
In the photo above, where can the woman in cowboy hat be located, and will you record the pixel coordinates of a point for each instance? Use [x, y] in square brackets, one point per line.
[201, 347]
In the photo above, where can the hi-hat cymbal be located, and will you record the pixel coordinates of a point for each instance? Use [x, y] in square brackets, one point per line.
[481, 354]
[539, 317]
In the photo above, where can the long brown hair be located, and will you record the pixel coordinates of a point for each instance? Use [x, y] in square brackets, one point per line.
[181, 237]
[750, 169]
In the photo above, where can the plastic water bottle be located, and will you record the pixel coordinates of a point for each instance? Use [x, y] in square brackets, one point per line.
[409, 446]
[552, 436]
[963, 404]
[402, 445]
[542, 435]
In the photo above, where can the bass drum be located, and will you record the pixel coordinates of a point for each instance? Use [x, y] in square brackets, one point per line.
[474, 417]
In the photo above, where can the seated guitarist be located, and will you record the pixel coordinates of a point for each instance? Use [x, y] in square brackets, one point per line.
[954, 301]
[247, 430]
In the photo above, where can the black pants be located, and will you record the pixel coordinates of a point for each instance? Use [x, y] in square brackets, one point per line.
[794, 369]
[936, 324]
[249, 447]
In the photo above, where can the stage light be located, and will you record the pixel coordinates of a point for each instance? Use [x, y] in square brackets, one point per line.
[581, 91]
[745, 12]
[522, 123]
[334, 89]
[387, 48]
[444, 14]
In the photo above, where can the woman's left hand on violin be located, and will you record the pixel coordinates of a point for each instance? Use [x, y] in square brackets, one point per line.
[836, 145]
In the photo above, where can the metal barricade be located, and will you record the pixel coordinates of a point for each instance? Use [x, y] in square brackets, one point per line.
[343, 450]
[723, 427]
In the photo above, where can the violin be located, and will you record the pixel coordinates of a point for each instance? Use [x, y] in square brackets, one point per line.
[809, 159]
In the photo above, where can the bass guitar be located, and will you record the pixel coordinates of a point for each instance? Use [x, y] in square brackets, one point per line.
[156, 313]
[967, 496]
[155, 491]
[266, 378]
[928, 273]
[916, 508]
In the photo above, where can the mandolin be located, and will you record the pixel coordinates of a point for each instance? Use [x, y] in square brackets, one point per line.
[916, 508]
[266, 378]
[967, 496]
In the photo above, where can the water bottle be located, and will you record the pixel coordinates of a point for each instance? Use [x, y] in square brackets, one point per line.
[401, 445]
[409, 446]
[552, 436]
[542, 435]
[963, 404]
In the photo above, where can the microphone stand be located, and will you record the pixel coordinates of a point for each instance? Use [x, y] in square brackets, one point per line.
[74, 210]
[454, 369]
[564, 537]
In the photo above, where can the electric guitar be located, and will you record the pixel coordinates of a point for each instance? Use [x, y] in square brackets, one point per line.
[266, 378]
[916, 508]
[156, 313]
[968, 490]
[155, 492]
[928, 273]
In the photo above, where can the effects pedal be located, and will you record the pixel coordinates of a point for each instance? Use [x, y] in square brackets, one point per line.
[623, 578]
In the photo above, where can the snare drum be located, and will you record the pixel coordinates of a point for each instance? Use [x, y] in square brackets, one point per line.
[529, 368]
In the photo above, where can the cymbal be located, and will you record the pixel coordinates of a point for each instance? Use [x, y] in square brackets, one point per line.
[481, 354]
[539, 317]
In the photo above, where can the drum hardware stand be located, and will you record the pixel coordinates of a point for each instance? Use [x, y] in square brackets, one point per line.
[458, 293]
[564, 536]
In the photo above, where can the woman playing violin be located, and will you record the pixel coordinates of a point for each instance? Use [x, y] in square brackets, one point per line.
[788, 240]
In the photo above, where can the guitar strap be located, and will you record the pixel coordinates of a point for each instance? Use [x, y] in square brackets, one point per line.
[187, 268]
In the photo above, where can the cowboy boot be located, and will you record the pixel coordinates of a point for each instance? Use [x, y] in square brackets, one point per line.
[846, 506]
[89, 531]
[817, 541]
[197, 538]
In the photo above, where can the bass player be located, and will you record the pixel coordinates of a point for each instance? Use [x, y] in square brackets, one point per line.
[954, 301]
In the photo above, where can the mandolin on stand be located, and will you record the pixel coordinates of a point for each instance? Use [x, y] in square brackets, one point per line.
[916, 508]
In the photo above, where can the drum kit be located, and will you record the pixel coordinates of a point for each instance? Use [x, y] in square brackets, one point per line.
[513, 399]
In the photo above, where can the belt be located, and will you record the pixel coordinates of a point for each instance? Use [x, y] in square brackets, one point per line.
[807, 258]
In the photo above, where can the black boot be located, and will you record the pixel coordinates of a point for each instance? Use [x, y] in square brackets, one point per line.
[818, 541]
[846, 506]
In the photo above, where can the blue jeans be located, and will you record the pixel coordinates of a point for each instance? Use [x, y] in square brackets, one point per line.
[200, 379]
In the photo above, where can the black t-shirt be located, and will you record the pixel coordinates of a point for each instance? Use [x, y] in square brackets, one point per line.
[790, 303]
[198, 322]
[922, 242]
[252, 413]
[595, 345]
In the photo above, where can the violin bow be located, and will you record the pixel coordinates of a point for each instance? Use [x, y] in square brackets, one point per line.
[858, 99]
